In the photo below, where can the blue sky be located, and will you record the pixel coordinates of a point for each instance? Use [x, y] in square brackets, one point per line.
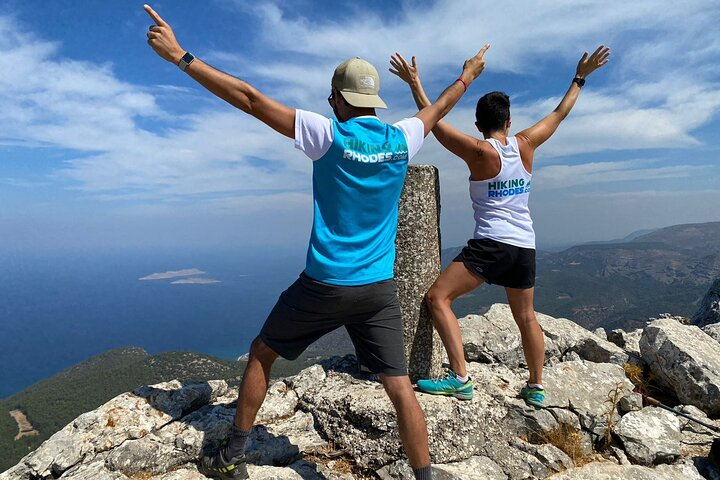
[103, 144]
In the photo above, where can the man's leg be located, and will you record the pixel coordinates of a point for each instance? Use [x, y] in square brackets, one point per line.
[254, 385]
[411, 422]
[229, 462]
[533, 340]
[456, 280]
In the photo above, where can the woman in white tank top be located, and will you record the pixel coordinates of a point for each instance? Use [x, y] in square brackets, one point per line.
[502, 250]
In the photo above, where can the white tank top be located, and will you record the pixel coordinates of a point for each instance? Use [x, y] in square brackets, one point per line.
[501, 203]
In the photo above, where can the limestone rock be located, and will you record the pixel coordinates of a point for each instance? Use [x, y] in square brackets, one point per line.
[494, 337]
[713, 330]
[709, 311]
[631, 402]
[280, 402]
[685, 360]
[489, 341]
[612, 471]
[363, 421]
[568, 336]
[630, 342]
[473, 468]
[695, 437]
[583, 387]
[650, 436]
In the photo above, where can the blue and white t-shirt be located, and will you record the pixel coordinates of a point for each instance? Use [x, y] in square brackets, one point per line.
[359, 169]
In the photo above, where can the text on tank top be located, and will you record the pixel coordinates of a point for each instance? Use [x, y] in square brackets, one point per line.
[501, 203]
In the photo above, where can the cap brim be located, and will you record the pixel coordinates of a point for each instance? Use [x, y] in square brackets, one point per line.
[363, 100]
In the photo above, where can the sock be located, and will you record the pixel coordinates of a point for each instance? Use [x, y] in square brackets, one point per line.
[535, 385]
[462, 379]
[236, 446]
[424, 473]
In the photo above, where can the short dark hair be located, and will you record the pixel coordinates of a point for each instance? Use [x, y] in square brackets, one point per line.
[492, 111]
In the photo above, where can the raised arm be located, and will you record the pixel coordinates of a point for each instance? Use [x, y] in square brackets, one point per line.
[458, 142]
[236, 92]
[541, 131]
[472, 68]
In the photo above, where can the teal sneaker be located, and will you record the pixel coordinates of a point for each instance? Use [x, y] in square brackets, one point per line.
[448, 385]
[533, 396]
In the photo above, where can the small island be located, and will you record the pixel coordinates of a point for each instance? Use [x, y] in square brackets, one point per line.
[195, 281]
[188, 272]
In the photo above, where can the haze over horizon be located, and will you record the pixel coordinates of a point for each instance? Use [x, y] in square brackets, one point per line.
[103, 144]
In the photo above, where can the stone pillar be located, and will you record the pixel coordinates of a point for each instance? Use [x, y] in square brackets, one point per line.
[417, 265]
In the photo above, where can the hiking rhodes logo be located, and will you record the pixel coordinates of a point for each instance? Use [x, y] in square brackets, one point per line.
[507, 188]
[359, 151]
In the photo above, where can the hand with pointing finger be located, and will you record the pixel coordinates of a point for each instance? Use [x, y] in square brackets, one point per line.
[474, 66]
[162, 39]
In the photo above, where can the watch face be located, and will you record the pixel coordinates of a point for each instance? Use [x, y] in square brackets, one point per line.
[188, 57]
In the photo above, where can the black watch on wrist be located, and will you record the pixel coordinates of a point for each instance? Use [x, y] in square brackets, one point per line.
[579, 81]
[185, 61]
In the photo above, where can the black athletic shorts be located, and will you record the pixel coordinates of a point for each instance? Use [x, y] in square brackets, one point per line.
[499, 263]
[309, 309]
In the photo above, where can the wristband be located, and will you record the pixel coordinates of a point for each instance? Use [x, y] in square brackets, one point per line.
[465, 85]
[580, 81]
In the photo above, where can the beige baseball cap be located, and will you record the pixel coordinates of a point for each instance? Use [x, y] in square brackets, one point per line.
[359, 83]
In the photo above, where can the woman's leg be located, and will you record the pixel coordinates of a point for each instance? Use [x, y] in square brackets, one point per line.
[533, 340]
[456, 280]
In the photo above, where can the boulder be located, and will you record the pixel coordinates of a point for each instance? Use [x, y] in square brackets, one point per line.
[630, 342]
[713, 330]
[473, 468]
[696, 438]
[568, 336]
[583, 388]
[491, 340]
[494, 337]
[709, 311]
[612, 471]
[650, 436]
[685, 360]
[358, 415]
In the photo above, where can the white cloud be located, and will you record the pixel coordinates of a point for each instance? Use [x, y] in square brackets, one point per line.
[566, 176]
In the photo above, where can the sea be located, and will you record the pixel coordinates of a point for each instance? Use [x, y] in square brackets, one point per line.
[58, 308]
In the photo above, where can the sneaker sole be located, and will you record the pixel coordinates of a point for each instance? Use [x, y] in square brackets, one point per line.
[458, 395]
[219, 475]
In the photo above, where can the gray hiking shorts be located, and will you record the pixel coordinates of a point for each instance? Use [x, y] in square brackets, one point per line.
[309, 309]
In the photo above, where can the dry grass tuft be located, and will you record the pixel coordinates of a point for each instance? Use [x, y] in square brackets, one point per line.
[614, 397]
[337, 459]
[635, 374]
[569, 440]
[142, 476]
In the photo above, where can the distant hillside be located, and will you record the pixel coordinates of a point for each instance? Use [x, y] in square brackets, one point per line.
[620, 284]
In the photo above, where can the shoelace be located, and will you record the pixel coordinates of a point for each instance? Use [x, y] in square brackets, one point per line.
[446, 373]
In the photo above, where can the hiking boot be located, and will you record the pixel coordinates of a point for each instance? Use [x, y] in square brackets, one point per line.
[218, 467]
[448, 385]
[533, 396]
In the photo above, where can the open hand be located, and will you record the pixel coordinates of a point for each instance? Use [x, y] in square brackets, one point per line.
[588, 65]
[407, 72]
[162, 39]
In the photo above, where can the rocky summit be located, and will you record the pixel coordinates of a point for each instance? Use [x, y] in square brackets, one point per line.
[330, 422]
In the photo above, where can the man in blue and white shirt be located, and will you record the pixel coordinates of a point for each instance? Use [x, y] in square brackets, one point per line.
[359, 166]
